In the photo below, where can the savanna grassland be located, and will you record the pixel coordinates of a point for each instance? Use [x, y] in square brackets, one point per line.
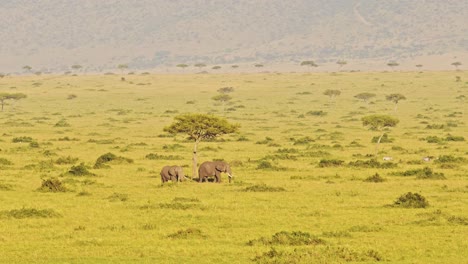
[305, 188]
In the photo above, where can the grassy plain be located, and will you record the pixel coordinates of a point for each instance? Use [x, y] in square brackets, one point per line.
[122, 214]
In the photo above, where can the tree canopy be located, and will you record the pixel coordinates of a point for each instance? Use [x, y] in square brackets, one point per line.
[225, 90]
[364, 96]
[332, 93]
[309, 63]
[378, 122]
[10, 96]
[200, 127]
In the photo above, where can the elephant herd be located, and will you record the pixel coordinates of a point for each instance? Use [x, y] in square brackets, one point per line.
[206, 169]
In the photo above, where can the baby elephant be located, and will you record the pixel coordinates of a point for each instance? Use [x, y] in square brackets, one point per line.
[214, 168]
[173, 173]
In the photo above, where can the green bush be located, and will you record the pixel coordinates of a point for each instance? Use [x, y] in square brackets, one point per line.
[434, 139]
[155, 156]
[384, 139]
[296, 238]
[187, 233]
[375, 178]
[66, 160]
[118, 197]
[454, 138]
[110, 157]
[317, 113]
[411, 200]
[29, 213]
[325, 163]
[80, 170]
[372, 163]
[263, 188]
[62, 123]
[22, 140]
[450, 159]
[52, 185]
[4, 161]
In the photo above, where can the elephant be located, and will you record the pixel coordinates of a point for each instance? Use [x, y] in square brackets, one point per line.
[173, 173]
[214, 168]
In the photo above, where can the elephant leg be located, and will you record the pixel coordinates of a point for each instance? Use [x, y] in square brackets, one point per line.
[218, 177]
[200, 179]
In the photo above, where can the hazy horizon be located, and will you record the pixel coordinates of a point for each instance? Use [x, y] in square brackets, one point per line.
[53, 35]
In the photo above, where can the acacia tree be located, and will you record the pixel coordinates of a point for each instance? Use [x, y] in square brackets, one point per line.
[8, 96]
[309, 63]
[200, 127]
[223, 98]
[341, 63]
[378, 123]
[122, 67]
[332, 93]
[200, 65]
[393, 64]
[395, 98]
[27, 68]
[76, 67]
[456, 64]
[364, 96]
[182, 65]
[226, 90]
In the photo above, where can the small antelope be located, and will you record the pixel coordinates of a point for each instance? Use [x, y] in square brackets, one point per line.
[387, 158]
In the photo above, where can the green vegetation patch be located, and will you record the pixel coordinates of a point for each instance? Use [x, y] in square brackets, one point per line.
[263, 188]
[411, 200]
[102, 161]
[29, 213]
[52, 185]
[326, 163]
[22, 140]
[372, 163]
[187, 233]
[80, 170]
[66, 160]
[375, 178]
[6, 187]
[155, 156]
[6, 162]
[450, 159]
[296, 238]
[424, 173]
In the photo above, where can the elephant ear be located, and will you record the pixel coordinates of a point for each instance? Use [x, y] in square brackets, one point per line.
[172, 171]
[220, 167]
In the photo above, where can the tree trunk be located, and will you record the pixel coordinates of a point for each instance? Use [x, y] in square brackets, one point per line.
[194, 159]
[377, 146]
[396, 105]
[2, 102]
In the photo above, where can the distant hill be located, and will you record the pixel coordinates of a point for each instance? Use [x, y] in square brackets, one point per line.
[55, 34]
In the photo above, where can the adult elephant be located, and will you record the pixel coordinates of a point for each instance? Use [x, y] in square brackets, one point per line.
[173, 173]
[214, 168]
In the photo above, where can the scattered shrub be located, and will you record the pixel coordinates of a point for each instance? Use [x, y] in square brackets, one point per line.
[115, 197]
[173, 147]
[263, 188]
[180, 206]
[317, 113]
[29, 213]
[22, 140]
[385, 139]
[266, 165]
[62, 123]
[6, 187]
[187, 233]
[242, 138]
[110, 157]
[4, 161]
[101, 141]
[450, 159]
[302, 141]
[296, 238]
[434, 139]
[325, 163]
[52, 185]
[372, 163]
[411, 200]
[66, 160]
[375, 178]
[435, 126]
[424, 173]
[80, 170]
[265, 141]
[71, 96]
[155, 156]
[454, 138]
